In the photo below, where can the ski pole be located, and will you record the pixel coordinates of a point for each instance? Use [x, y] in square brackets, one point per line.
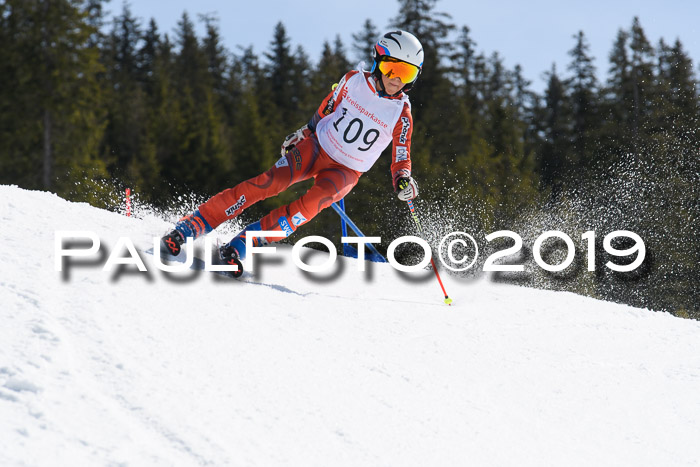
[448, 300]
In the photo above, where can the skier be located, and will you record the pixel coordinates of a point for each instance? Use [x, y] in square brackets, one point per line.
[353, 125]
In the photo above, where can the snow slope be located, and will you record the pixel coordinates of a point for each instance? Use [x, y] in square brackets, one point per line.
[98, 368]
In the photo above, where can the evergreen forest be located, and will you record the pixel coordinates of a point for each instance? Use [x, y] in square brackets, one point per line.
[90, 106]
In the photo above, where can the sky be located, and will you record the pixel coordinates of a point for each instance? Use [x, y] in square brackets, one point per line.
[534, 34]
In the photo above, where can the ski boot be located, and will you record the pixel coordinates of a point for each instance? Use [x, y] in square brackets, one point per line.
[229, 255]
[234, 252]
[193, 226]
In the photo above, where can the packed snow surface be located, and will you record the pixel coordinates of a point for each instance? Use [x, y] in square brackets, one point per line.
[290, 368]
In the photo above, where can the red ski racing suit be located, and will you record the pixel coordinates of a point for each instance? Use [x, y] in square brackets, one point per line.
[349, 131]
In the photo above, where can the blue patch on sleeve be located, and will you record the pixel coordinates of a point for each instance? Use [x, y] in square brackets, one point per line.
[284, 224]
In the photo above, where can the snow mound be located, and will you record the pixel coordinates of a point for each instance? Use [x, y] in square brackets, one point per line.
[293, 368]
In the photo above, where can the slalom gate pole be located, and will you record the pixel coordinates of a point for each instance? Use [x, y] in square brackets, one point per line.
[448, 300]
[128, 202]
[343, 224]
[343, 215]
[347, 249]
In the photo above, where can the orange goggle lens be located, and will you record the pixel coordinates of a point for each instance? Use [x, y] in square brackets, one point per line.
[406, 72]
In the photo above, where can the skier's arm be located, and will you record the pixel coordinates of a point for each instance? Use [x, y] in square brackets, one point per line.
[331, 101]
[401, 147]
[326, 108]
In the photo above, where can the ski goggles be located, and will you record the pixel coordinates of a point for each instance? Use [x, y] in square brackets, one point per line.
[394, 68]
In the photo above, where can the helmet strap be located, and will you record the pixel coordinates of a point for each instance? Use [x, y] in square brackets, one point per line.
[380, 84]
[378, 78]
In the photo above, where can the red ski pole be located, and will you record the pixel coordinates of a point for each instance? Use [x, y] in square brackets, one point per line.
[448, 300]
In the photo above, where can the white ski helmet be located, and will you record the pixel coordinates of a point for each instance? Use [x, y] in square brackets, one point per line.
[399, 46]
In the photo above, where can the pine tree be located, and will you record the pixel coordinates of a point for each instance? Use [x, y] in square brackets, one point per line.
[466, 74]
[331, 67]
[202, 160]
[631, 93]
[147, 56]
[19, 120]
[255, 151]
[363, 42]
[432, 28]
[465, 58]
[280, 76]
[642, 74]
[554, 154]
[505, 134]
[307, 99]
[617, 101]
[166, 122]
[95, 19]
[679, 103]
[149, 75]
[432, 107]
[216, 55]
[583, 86]
[125, 103]
[51, 109]
[474, 173]
[525, 105]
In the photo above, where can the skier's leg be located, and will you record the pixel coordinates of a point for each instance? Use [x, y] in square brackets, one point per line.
[296, 166]
[332, 184]
[231, 202]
